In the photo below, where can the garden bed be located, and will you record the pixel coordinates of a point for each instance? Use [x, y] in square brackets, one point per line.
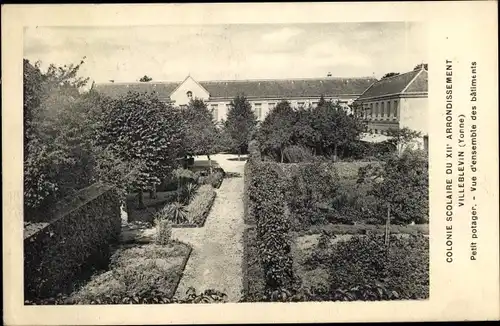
[199, 208]
[138, 274]
[351, 267]
[153, 205]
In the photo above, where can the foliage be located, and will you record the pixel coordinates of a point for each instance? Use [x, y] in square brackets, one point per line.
[297, 154]
[163, 231]
[310, 187]
[59, 127]
[390, 74]
[188, 191]
[269, 210]
[276, 131]
[145, 79]
[175, 212]
[199, 207]
[139, 127]
[324, 129]
[240, 123]
[138, 274]
[215, 179]
[362, 261]
[401, 138]
[202, 135]
[254, 151]
[422, 65]
[401, 185]
[79, 238]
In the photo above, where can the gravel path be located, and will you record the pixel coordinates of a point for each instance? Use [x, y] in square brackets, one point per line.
[216, 260]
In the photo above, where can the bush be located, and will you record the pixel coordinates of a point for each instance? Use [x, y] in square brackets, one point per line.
[269, 210]
[163, 232]
[175, 213]
[310, 189]
[199, 207]
[298, 154]
[214, 179]
[363, 262]
[78, 237]
[363, 150]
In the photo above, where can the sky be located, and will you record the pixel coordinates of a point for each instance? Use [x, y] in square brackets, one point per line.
[226, 52]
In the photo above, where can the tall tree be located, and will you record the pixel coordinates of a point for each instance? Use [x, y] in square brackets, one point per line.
[240, 124]
[390, 74]
[276, 131]
[202, 135]
[139, 127]
[145, 79]
[334, 127]
[422, 66]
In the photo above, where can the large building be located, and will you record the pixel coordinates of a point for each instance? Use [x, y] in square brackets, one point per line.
[262, 94]
[397, 102]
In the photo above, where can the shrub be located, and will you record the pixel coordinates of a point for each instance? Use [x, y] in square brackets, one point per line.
[269, 209]
[188, 191]
[163, 231]
[362, 261]
[214, 179]
[199, 207]
[309, 191]
[175, 212]
[78, 237]
[298, 154]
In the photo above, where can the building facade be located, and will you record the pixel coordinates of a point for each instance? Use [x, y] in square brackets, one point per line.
[396, 102]
[263, 94]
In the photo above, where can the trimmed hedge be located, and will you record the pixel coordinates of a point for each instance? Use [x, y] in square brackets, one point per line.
[78, 237]
[268, 207]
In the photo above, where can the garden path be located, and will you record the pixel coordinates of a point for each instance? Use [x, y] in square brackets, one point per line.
[217, 256]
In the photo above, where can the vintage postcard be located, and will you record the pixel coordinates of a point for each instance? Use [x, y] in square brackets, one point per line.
[249, 163]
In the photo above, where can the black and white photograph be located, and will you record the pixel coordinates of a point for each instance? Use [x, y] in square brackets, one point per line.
[225, 163]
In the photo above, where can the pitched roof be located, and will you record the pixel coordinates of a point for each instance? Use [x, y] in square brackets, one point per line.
[288, 88]
[163, 89]
[410, 82]
[283, 88]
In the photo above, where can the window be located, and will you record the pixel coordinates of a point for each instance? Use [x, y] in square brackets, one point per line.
[315, 104]
[258, 110]
[189, 95]
[300, 104]
[215, 111]
[376, 131]
[389, 112]
[382, 109]
[376, 110]
[395, 109]
[271, 106]
[184, 106]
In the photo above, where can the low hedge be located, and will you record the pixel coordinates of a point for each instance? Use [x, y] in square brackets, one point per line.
[215, 179]
[79, 236]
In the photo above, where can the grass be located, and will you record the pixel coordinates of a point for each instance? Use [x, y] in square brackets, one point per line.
[137, 271]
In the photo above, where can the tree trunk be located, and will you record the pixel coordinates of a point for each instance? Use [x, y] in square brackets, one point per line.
[209, 164]
[387, 227]
[335, 153]
[239, 153]
[152, 192]
[141, 199]
[281, 153]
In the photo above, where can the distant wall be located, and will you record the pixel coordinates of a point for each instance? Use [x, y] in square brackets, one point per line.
[79, 235]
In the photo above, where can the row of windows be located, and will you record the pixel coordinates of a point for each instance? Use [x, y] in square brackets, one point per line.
[382, 109]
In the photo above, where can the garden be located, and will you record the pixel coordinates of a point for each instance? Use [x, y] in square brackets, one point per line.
[329, 223]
